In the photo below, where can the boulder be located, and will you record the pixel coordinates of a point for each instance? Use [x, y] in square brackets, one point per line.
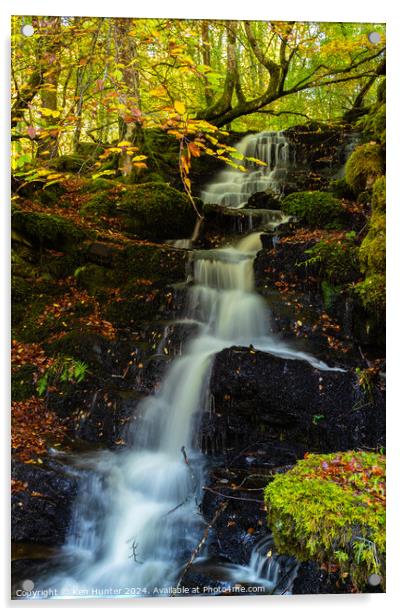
[264, 200]
[41, 510]
[257, 395]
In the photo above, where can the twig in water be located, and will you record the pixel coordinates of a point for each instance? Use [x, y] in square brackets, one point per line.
[186, 460]
[221, 508]
[133, 555]
[250, 500]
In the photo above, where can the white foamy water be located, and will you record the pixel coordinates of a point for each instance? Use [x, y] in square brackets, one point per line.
[232, 187]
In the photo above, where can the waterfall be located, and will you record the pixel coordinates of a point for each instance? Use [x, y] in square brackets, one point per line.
[232, 188]
[265, 570]
[137, 519]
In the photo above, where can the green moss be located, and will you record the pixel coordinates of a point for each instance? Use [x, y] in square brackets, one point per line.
[98, 185]
[89, 149]
[336, 259]
[102, 203]
[379, 195]
[157, 210]
[372, 293]
[50, 194]
[373, 122]
[372, 251]
[95, 278]
[154, 263]
[340, 189]
[46, 230]
[382, 91]
[314, 208]
[364, 165]
[330, 294]
[70, 162]
[330, 508]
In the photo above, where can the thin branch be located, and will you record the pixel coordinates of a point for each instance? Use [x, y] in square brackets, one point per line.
[250, 500]
[221, 508]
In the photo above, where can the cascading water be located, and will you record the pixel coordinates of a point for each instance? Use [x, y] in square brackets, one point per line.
[265, 571]
[136, 519]
[232, 188]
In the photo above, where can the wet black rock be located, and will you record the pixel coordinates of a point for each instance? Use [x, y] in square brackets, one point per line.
[41, 510]
[257, 395]
[264, 200]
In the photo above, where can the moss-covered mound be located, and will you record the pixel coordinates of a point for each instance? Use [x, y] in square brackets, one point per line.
[372, 257]
[314, 208]
[372, 293]
[157, 210]
[372, 249]
[335, 258]
[331, 508]
[70, 162]
[46, 230]
[378, 203]
[364, 166]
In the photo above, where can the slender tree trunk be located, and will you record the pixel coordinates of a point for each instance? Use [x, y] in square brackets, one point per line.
[206, 58]
[49, 27]
[130, 126]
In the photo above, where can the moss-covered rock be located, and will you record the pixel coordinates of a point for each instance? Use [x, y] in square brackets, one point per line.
[100, 204]
[331, 508]
[372, 251]
[156, 263]
[376, 122]
[336, 259]
[379, 195]
[98, 185]
[341, 189]
[46, 230]
[364, 166]
[49, 195]
[157, 210]
[69, 162]
[95, 278]
[314, 208]
[373, 122]
[372, 293]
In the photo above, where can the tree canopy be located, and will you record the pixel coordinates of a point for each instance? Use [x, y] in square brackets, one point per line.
[103, 80]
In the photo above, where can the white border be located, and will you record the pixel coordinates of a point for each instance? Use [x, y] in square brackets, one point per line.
[338, 10]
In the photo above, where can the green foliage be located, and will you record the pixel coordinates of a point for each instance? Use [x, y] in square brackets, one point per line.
[64, 370]
[364, 165]
[372, 293]
[337, 259]
[46, 229]
[314, 208]
[119, 98]
[331, 508]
